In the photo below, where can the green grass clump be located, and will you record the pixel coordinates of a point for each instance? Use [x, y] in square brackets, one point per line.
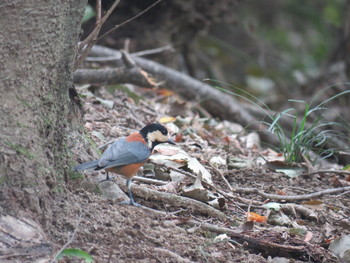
[20, 149]
[308, 133]
[304, 138]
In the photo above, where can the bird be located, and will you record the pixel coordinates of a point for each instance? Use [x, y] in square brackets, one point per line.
[127, 154]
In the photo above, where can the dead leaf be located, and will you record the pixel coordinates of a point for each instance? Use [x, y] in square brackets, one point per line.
[252, 140]
[308, 236]
[291, 170]
[176, 176]
[170, 187]
[165, 92]
[279, 219]
[167, 119]
[168, 150]
[341, 248]
[221, 237]
[280, 192]
[315, 204]
[150, 80]
[196, 190]
[218, 203]
[217, 161]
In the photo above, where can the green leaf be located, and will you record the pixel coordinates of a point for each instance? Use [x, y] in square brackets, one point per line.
[89, 13]
[75, 252]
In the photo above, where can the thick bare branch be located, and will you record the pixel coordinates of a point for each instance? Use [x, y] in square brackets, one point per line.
[174, 200]
[213, 100]
[113, 76]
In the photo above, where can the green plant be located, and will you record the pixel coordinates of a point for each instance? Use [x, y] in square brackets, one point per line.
[304, 138]
[20, 149]
[74, 252]
[307, 134]
[89, 13]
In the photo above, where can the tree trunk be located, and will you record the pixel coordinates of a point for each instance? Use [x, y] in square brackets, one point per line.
[37, 48]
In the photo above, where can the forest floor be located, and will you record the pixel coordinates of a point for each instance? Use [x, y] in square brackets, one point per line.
[164, 230]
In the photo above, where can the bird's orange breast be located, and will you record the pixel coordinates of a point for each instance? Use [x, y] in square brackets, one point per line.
[128, 171]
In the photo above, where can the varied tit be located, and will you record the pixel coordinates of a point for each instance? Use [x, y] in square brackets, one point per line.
[126, 155]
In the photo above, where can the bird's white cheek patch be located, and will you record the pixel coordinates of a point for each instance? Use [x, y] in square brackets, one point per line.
[157, 136]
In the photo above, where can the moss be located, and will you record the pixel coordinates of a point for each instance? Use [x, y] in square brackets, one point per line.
[59, 189]
[47, 122]
[21, 150]
[3, 179]
[22, 125]
[74, 175]
[25, 103]
[92, 143]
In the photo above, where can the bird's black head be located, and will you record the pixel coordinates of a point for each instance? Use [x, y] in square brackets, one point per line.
[155, 134]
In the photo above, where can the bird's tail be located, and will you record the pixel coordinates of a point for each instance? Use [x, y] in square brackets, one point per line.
[85, 166]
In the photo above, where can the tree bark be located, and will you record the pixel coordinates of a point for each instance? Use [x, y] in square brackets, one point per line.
[37, 48]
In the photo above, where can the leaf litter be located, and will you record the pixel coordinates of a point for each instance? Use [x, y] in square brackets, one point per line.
[216, 153]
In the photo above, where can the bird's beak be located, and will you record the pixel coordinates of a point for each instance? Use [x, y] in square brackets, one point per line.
[171, 141]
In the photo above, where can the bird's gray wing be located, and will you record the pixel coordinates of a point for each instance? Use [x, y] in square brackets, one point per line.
[122, 152]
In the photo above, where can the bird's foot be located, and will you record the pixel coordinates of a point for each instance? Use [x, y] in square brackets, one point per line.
[131, 202]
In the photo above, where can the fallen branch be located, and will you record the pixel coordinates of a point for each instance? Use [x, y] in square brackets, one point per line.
[265, 242]
[290, 197]
[174, 200]
[112, 76]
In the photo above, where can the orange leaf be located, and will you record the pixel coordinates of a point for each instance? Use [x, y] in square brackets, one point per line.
[165, 92]
[256, 217]
[280, 192]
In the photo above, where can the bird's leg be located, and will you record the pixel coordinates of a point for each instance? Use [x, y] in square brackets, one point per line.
[132, 201]
[107, 178]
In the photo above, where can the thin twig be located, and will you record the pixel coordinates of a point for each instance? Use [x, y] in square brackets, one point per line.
[98, 10]
[86, 45]
[149, 180]
[135, 54]
[152, 51]
[345, 193]
[129, 20]
[326, 171]
[71, 238]
[222, 177]
[290, 197]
